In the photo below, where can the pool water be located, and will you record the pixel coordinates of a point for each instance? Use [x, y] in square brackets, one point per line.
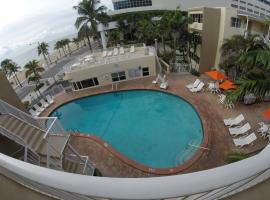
[155, 129]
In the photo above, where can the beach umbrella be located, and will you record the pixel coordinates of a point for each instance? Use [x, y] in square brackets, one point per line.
[267, 113]
[227, 85]
[216, 75]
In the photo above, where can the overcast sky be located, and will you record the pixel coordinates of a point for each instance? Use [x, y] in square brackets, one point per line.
[26, 21]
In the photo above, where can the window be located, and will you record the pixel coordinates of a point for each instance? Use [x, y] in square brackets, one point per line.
[145, 71]
[242, 8]
[197, 18]
[124, 4]
[234, 6]
[133, 73]
[235, 22]
[86, 83]
[118, 76]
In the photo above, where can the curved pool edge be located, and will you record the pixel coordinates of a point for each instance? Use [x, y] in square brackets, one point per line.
[132, 163]
[136, 165]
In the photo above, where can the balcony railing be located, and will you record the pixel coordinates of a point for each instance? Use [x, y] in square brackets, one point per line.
[210, 184]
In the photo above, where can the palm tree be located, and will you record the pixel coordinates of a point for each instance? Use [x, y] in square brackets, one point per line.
[43, 49]
[90, 14]
[255, 76]
[11, 68]
[76, 41]
[58, 46]
[32, 73]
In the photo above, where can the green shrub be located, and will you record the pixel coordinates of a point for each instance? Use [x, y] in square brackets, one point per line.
[26, 104]
[39, 86]
[194, 72]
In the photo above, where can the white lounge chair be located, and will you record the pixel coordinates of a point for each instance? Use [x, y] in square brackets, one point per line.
[243, 141]
[234, 121]
[110, 53]
[104, 54]
[193, 85]
[157, 80]
[240, 130]
[38, 108]
[49, 99]
[222, 98]
[264, 130]
[34, 113]
[164, 85]
[197, 89]
[115, 51]
[132, 49]
[44, 104]
[122, 51]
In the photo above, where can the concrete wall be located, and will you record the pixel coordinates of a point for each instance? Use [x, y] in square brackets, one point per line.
[8, 94]
[10, 190]
[210, 38]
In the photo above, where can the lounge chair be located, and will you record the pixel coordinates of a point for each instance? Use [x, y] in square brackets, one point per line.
[34, 113]
[115, 51]
[132, 49]
[164, 85]
[110, 53]
[104, 54]
[38, 108]
[264, 130]
[240, 130]
[197, 89]
[243, 141]
[122, 51]
[193, 85]
[157, 80]
[222, 98]
[49, 99]
[234, 121]
[44, 104]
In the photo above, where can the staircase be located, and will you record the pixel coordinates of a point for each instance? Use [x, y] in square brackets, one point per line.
[43, 140]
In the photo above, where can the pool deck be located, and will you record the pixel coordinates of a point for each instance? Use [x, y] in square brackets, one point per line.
[219, 141]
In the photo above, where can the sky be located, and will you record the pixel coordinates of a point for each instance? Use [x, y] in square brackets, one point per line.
[23, 22]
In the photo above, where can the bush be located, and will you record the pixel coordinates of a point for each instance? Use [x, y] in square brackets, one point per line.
[194, 72]
[39, 86]
[26, 104]
[231, 158]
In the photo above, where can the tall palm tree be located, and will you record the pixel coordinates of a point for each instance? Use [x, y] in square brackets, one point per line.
[76, 41]
[11, 68]
[90, 14]
[58, 46]
[32, 72]
[43, 49]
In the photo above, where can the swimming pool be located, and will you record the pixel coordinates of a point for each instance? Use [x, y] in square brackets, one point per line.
[152, 128]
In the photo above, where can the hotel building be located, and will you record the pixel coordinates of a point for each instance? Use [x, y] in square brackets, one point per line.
[213, 21]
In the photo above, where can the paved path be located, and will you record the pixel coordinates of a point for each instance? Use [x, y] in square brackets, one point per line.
[53, 70]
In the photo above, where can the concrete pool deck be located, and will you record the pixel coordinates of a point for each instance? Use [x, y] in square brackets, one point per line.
[212, 114]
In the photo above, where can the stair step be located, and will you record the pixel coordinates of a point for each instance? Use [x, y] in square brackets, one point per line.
[14, 125]
[30, 134]
[18, 129]
[7, 124]
[37, 140]
[4, 119]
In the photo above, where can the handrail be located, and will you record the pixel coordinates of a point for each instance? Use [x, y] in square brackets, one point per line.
[49, 128]
[18, 140]
[212, 182]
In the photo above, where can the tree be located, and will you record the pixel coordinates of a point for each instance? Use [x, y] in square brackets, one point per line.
[43, 49]
[58, 46]
[11, 68]
[66, 42]
[255, 70]
[113, 37]
[76, 41]
[32, 73]
[90, 14]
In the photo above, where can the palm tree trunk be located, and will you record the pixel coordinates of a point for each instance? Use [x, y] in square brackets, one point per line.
[49, 59]
[44, 56]
[89, 43]
[17, 79]
[59, 51]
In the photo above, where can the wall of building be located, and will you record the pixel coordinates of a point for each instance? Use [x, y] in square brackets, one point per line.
[103, 72]
[8, 94]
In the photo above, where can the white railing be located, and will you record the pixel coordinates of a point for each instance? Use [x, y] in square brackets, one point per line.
[209, 184]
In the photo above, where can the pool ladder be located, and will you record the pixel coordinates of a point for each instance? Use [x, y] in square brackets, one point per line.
[114, 87]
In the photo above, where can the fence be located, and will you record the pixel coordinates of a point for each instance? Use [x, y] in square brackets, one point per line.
[210, 184]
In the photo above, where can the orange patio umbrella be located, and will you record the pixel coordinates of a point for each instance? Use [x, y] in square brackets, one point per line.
[216, 75]
[227, 85]
[267, 113]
